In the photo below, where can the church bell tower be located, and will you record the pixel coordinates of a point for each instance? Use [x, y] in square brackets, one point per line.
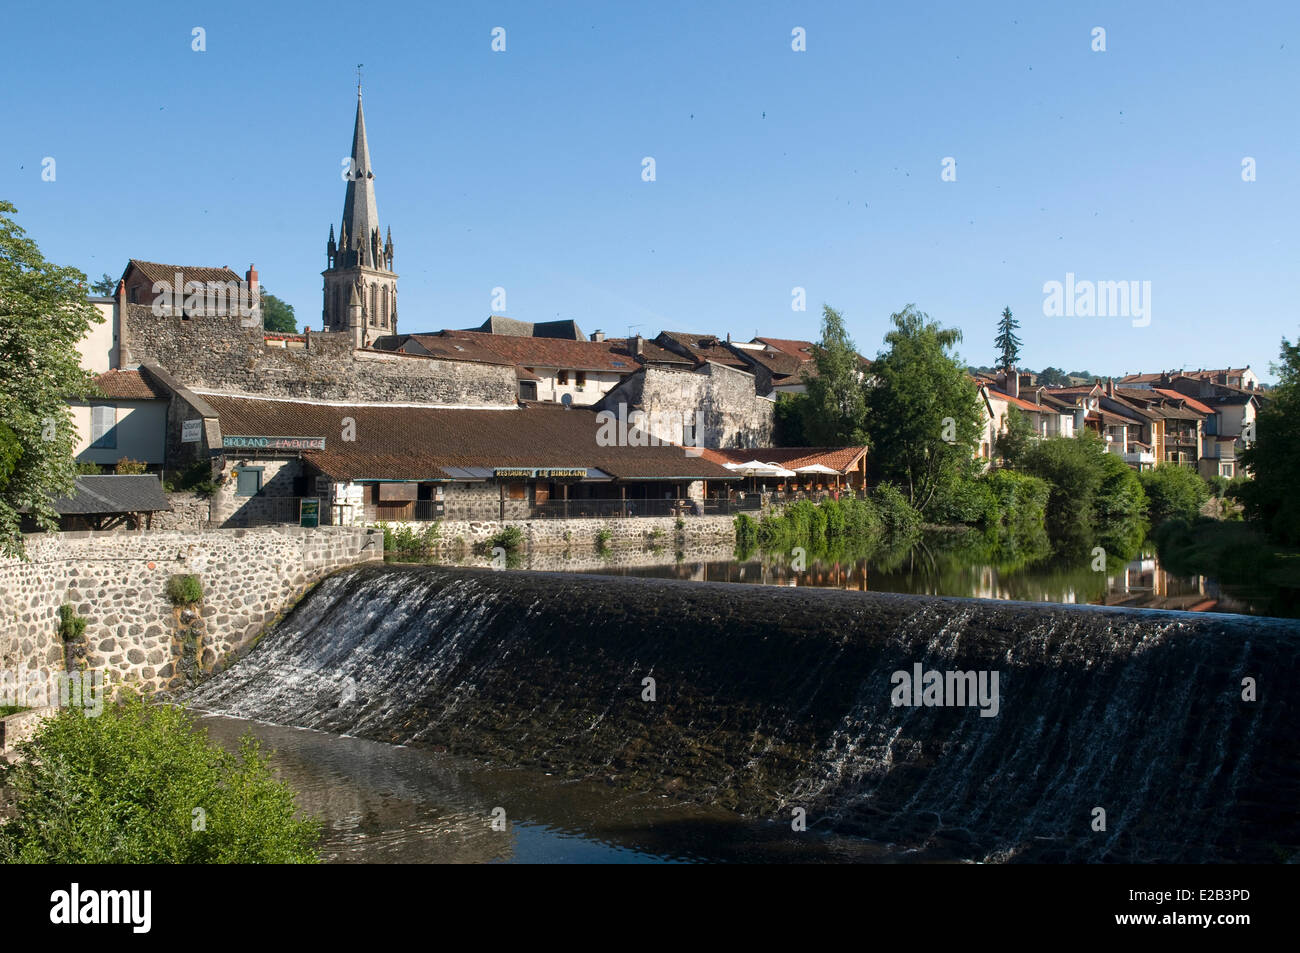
[360, 284]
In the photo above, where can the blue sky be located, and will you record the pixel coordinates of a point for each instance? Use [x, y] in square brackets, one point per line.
[775, 169]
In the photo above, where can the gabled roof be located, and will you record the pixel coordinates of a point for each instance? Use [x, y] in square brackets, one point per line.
[800, 350]
[395, 442]
[129, 385]
[154, 271]
[702, 347]
[611, 355]
[108, 494]
[1189, 401]
[1020, 402]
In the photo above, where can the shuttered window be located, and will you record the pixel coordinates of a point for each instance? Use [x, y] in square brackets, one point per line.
[103, 427]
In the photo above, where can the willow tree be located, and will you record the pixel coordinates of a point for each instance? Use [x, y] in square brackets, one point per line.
[923, 417]
[43, 315]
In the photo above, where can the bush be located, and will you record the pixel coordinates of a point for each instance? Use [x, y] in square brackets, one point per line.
[603, 536]
[746, 532]
[196, 478]
[127, 787]
[72, 627]
[184, 590]
[1177, 492]
[897, 517]
[511, 539]
[129, 467]
[89, 469]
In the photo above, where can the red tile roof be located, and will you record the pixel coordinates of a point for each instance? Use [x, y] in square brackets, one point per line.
[611, 355]
[1190, 401]
[802, 350]
[419, 443]
[128, 385]
[707, 347]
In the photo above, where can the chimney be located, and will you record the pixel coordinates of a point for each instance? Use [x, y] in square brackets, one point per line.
[250, 277]
[598, 335]
[1110, 387]
[1013, 382]
[638, 345]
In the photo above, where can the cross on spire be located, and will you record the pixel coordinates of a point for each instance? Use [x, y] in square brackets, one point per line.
[359, 65]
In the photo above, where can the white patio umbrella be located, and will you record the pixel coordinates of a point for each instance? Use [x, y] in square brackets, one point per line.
[816, 468]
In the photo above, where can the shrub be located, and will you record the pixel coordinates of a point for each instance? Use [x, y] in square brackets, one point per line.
[896, 515]
[89, 469]
[124, 787]
[129, 467]
[603, 536]
[196, 478]
[72, 627]
[184, 590]
[511, 539]
[1176, 492]
[746, 531]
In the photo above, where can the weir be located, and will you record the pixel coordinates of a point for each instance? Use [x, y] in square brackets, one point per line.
[769, 699]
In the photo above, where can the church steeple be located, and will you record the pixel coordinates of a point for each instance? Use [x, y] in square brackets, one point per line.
[361, 265]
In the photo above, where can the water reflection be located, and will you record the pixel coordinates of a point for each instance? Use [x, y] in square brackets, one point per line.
[933, 567]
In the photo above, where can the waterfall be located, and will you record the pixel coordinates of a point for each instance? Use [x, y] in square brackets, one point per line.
[771, 699]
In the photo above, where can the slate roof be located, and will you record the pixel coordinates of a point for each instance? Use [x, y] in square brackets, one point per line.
[129, 385]
[564, 328]
[612, 355]
[104, 495]
[842, 459]
[420, 443]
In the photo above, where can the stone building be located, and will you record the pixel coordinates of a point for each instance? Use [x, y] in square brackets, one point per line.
[360, 294]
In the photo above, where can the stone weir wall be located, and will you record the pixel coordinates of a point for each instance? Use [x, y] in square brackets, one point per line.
[118, 583]
[639, 534]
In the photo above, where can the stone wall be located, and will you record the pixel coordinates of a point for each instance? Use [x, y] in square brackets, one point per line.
[579, 535]
[118, 582]
[217, 353]
[731, 412]
[189, 511]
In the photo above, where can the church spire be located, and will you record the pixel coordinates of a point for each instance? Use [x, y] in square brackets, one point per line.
[360, 213]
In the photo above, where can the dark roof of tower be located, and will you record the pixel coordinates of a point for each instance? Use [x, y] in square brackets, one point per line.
[360, 213]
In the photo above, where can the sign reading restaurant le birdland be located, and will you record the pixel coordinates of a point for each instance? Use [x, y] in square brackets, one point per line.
[273, 443]
[540, 473]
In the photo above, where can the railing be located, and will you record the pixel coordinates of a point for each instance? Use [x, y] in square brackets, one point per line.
[262, 510]
[607, 509]
[412, 511]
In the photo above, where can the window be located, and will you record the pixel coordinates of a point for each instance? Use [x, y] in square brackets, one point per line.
[516, 491]
[580, 378]
[562, 378]
[248, 481]
[528, 390]
[103, 427]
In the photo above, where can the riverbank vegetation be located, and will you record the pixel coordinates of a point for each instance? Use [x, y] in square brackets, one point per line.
[141, 783]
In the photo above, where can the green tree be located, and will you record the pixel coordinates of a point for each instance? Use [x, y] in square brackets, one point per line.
[141, 784]
[1014, 442]
[277, 315]
[1174, 492]
[923, 416]
[834, 407]
[1053, 377]
[1120, 508]
[1270, 499]
[1006, 342]
[106, 286]
[1072, 467]
[44, 314]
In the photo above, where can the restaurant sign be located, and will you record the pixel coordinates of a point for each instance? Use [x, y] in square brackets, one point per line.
[539, 473]
[273, 443]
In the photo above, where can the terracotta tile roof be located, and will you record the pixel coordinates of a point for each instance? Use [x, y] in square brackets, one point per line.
[446, 348]
[418, 443]
[802, 350]
[706, 347]
[842, 459]
[1020, 402]
[611, 355]
[159, 272]
[1190, 401]
[128, 385]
